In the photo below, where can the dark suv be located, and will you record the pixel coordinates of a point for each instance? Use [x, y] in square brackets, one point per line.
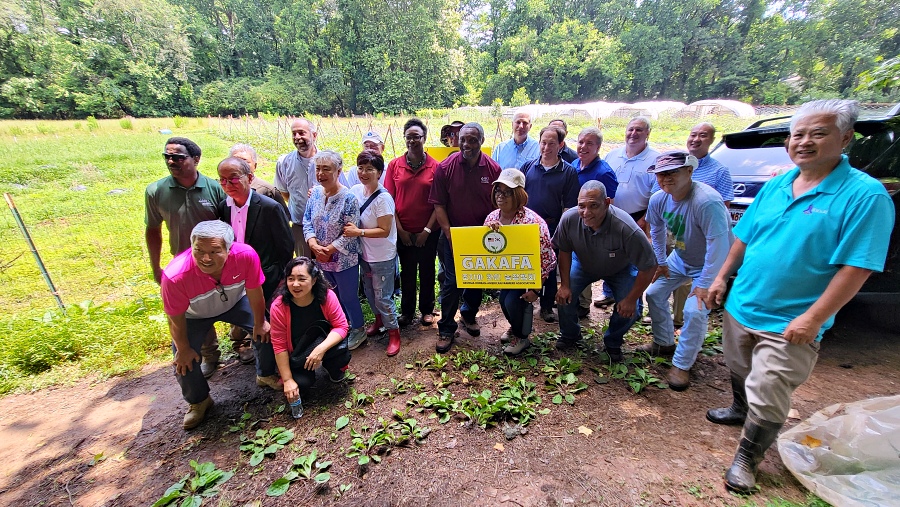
[758, 153]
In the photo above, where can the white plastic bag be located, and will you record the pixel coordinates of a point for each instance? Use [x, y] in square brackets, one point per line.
[849, 453]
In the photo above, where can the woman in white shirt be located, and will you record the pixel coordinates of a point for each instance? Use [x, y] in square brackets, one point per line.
[378, 236]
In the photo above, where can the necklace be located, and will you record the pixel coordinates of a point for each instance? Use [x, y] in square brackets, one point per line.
[414, 166]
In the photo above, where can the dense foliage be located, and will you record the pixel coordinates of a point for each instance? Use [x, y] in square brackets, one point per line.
[109, 58]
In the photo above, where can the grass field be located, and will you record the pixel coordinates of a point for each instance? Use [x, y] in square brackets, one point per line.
[79, 188]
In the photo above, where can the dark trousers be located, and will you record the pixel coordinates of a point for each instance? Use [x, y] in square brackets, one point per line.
[417, 261]
[518, 312]
[194, 387]
[334, 361]
[450, 293]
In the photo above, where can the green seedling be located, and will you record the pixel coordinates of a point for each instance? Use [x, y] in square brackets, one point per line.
[444, 381]
[266, 443]
[443, 405]
[399, 386]
[509, 367]
[242, 423]
[437, 362]
[303, 467]
[341, 422]
[564, 388]
[712, 344]
[408, 429]
[481, 410]
[641, 378]
[192, 490]
[471, 375]
[367, 449]
[561, 367]
[382, 391]
[357, 401]
[520, 400]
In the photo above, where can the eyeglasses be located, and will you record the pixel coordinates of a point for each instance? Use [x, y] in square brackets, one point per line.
[177, 157]
[221, 290]
[503, 193]
[414, 138]
[233, 181]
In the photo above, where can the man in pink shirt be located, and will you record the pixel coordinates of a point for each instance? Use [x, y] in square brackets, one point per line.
[215, 280]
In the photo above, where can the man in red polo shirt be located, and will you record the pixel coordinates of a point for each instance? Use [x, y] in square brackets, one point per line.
[461, 195]
[216, 280]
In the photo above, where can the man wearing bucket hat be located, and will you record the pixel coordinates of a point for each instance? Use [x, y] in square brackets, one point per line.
[370, 141]
[450, 134]
[697, 218]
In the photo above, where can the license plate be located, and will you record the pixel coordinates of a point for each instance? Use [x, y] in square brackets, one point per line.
[736, 214]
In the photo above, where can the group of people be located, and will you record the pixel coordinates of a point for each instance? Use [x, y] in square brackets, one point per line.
[648, 224]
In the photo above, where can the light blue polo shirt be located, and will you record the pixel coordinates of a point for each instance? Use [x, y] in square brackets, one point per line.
[796, 246]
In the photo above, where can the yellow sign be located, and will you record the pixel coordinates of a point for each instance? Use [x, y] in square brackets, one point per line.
[439, 153]
[507, 259]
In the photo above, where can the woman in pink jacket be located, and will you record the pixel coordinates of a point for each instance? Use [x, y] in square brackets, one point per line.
[308, 328]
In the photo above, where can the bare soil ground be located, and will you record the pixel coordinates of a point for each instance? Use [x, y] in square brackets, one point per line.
[652, 448]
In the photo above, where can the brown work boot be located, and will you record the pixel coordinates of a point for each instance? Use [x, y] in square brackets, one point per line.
[678, 379]
[196, 413]
[655, 349]
[272, 381]
[444, 342]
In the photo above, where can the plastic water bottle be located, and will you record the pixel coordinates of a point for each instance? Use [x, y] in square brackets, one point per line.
[297, 408]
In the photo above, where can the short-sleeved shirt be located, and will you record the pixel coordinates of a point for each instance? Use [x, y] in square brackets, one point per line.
[794, 247]
[600, 171]
[181, 208]
[410, 190]
[187, 290]
[508, 154]
[635, 184]
[714, 174]
[700, 225]
[295, 175]
[376, 249]
[550, 190]
[465, 191]
[615, 245]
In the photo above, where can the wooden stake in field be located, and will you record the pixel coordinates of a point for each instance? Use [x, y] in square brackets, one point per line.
[34, 252]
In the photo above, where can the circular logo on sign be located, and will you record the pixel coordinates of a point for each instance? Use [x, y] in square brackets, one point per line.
[494, 242]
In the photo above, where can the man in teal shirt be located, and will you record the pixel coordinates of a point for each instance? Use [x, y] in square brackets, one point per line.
[804, 248]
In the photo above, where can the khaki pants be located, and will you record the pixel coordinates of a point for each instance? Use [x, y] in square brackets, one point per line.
[301, 247]
[773, 368]
[679, 297]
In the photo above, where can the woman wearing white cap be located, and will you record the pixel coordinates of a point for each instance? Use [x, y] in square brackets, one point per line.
[510, 198]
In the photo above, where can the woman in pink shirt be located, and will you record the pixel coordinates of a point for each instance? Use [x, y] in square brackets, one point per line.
[308, 328]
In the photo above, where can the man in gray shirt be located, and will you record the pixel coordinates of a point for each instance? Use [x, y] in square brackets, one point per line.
[697, 218]
[597, 241]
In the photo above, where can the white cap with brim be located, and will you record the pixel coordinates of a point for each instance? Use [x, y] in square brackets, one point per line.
[512, 178]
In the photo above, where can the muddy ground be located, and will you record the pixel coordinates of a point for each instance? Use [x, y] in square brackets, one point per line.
[120, 442]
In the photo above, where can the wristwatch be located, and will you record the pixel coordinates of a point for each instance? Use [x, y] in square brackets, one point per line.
[362, 232]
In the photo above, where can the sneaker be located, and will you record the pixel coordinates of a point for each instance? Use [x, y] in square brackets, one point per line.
[516, 346]
[506, 337]
[471, 327]
[584, 312]
[655, 349]
[356, 338]
[444, 342]
[196, 413]
[604, 301]
[547, 315]
[646, 320]
[272, 381]
[339, 376]
[208, 368]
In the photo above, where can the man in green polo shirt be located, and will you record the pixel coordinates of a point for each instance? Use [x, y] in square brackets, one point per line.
[181, 200]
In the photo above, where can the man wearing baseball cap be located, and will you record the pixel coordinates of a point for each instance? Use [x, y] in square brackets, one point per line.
[697, 218]
[370, 141]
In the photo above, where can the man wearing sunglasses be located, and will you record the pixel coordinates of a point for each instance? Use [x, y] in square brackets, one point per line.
[216, 280]
[181, 200]
[695, 215]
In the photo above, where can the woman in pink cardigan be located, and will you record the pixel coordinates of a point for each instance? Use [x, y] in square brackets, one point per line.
[308, 328]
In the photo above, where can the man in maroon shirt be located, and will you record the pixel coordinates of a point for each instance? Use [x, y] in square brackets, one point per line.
[461, 195]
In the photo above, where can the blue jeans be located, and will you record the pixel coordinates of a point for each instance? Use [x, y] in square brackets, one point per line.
[346, 285]
[450, 293]
[195, 388]
[518, 312]
[620, 283]
[695, 319]
[378, 283]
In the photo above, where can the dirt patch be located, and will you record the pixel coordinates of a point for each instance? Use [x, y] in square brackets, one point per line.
[653, 448]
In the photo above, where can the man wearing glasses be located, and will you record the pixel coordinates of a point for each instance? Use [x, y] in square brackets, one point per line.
[260, 222]
[217, 280]
[181, 200]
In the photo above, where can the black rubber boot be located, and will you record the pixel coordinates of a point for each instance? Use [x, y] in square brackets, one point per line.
[757, 436]
[737, 412]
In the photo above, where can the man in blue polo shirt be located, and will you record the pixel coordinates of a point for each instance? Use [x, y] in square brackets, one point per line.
[804, 247]
[552, 187]
[518, 150]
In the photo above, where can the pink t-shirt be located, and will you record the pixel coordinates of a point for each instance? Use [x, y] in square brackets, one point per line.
[187, 290]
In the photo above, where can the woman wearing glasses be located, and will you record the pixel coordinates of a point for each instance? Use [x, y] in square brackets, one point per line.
[378, 238]
[329, 208]
[409, 178]
[510, 199]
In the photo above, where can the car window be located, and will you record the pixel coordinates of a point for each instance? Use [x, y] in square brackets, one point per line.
[767, 161]
[876, 150]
